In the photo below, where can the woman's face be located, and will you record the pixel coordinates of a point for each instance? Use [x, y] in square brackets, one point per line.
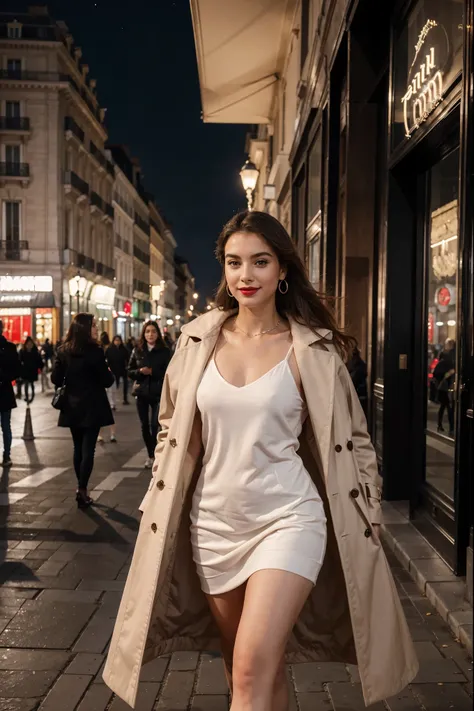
[151, 335]
[29, 345]
[94, 332]
[252, 270]
[117, 341]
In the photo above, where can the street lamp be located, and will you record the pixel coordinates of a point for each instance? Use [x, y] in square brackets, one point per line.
[195, 296]
[77, 279]
[249, 177]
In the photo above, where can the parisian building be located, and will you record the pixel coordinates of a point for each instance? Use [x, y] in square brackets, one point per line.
[361, 127]
[56, 183]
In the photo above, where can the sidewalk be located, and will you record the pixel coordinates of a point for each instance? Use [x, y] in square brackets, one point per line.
[62, 572]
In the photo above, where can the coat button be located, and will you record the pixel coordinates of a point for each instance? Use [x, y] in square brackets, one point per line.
[354, 493]
[367, 533]
[338, 448]
[350, 446]
[154, 527]
[160, 484]
[173, 442]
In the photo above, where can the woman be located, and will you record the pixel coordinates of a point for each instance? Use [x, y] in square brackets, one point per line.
[147, 368]
[104, 341]
[117, 358]
[31, 363]
[80, 365]
[444, 375]
[260, 528]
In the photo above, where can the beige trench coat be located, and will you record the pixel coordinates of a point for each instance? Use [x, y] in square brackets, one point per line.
[353, 614]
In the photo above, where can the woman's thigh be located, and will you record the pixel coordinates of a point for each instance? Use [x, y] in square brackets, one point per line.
[273, 602]
[227, 610]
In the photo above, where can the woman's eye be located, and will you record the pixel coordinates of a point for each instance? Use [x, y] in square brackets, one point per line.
[261, 262]
[232, 263]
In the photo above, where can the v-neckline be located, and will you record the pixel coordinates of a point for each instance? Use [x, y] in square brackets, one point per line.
[247, 385]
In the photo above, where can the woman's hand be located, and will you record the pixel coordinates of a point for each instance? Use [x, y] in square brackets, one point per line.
[145, 371]
[376, 530]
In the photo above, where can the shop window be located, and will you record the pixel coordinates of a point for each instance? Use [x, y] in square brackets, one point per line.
[427, 60]
[314, 261]
[441, 323]
[314, 186]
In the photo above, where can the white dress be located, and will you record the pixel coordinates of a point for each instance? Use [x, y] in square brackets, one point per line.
[255, 506]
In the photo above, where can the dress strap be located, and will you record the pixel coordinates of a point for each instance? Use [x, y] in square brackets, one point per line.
[288, 355]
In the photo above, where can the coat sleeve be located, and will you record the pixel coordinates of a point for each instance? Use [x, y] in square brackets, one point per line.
[57, 374]
[167, 404]
[132, 370]
[363, 448]
[106, 377]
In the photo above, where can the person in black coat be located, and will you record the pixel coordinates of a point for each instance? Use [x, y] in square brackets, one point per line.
[147, 367]
[444, 376]
[31, 362]
[81, 367]
[9, 370]
[117, 357]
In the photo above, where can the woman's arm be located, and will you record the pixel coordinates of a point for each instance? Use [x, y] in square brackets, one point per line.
[363, 448]
[133, 369]
[106, 377]
[58, 372]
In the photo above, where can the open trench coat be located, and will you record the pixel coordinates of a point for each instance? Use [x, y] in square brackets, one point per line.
[353, 614]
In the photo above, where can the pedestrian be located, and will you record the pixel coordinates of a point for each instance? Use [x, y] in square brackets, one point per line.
[48, 353]
[31, 364]
[117, 357]
[130, 345]
[357, 368]
[81, 367]
[169, 343]
[444, 376]
[147, 367]
[9, 370]
[261, 522]
[104, 341]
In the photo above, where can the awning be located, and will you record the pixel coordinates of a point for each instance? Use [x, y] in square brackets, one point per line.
[240, 49]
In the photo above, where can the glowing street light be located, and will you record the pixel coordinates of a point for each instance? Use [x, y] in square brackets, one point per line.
[249, 176]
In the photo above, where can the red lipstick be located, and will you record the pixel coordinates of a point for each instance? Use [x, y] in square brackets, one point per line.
[248, 291]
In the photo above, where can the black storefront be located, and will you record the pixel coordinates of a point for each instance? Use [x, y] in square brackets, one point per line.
[389, 153]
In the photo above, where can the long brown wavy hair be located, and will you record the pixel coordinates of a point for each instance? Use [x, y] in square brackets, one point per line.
[302, 302]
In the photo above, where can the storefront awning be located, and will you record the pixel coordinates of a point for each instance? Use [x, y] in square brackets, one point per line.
[240, 50]
[31, 301]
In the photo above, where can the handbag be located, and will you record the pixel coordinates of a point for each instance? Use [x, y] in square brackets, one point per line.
[59, 397]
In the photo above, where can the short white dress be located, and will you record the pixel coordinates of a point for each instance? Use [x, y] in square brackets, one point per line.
[255, 506]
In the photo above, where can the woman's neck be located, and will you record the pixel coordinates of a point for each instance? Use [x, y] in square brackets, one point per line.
[255, 321]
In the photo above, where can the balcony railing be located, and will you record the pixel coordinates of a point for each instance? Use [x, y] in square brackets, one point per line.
[142, 224]
[101, 158]
[15, 170]
[12, 249]
[109, 210]
[97, 201]
[141, 255]
[71, 125]
[14, 123]
[84, 262]
[141, 286]
[71, 178]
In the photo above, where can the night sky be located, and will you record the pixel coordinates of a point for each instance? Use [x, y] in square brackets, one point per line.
[143, 56]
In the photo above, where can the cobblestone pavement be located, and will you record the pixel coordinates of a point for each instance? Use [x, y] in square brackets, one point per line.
[62, 572]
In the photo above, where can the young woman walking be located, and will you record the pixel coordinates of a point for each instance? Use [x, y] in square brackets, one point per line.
[31, 363]
[117, 358]
[260, 528]
[80, 365]
[105, 344]
[147, 367]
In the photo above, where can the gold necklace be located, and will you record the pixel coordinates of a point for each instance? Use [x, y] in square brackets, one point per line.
[261, 333]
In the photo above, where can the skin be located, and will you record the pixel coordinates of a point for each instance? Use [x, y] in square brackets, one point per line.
[151, 337]
[117, 341]
[256, 619]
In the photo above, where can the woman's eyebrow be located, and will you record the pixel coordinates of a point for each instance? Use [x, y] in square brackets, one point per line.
[253, 256]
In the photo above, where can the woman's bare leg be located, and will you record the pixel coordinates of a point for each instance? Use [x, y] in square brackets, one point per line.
[272, 604]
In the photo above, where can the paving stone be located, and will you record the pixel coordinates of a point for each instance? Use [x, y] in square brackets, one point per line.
[96, 699]
[76, 596]
[155, 670]
[348, 697]
[405, 701]
[84, 663]
[431, 571]
[112, 585]
[434, 668]
[18, 684]
[46, 625]
[146, 698]
[66, 693]
[15, 554]
[319, 701]
[176, 692]
[49, 568]
[86, 567]
[96, 635]
[210, 703]
[28, 545]
[353, 671]
[40, 582]
[211, 677]
[4, 623]
[184, 661]
[50, 545]
[38, 554]
[18, 704]
[310, 676]
[32, 660]
[446, 697]
[447, 597]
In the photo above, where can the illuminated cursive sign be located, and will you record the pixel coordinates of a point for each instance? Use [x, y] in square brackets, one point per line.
[425, 81]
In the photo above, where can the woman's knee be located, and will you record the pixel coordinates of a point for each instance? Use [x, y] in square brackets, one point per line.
[253, 667]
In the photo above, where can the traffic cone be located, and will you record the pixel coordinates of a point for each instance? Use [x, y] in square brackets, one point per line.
[28, 428]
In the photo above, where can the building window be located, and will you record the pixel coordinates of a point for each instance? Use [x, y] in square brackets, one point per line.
[314, 187]
[283, 113]
[305, 7]
[12, 155]
[12, 109]
[11, 225]
[14, 30]
[14, 68]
